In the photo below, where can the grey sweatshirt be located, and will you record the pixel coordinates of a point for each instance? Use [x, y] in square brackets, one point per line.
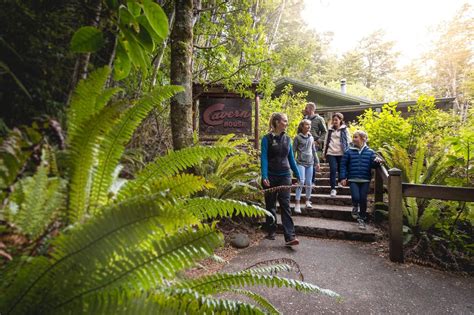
[305, 151]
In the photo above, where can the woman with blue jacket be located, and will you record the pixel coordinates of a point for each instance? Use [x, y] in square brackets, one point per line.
[356, 166]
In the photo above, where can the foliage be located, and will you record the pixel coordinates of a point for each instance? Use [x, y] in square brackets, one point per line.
[387, 127]
[287, 102]
[233, 176]
[125, 251]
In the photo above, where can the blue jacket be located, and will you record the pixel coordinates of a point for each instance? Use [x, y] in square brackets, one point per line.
[277, 156]
[357, 164]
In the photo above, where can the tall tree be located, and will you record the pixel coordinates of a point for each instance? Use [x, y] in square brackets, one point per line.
[181, 74]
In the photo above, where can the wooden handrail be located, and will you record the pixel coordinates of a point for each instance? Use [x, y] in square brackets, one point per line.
[397, 190]
[438, 192]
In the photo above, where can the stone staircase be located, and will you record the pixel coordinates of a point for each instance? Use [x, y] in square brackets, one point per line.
[329, 217]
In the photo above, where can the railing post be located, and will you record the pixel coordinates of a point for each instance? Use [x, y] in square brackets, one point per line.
[395, 215]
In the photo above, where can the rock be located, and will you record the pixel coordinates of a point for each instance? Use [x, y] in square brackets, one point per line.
[240, 240]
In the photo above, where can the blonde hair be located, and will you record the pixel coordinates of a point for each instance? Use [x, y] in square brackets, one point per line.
[361, 134]
[273, 120]
[300, 126]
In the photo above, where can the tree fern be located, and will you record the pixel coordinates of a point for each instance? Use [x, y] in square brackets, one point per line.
[113, 145]
[84, 103]
[171, 164]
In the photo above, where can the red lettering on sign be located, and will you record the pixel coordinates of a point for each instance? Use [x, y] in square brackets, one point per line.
[214, 115]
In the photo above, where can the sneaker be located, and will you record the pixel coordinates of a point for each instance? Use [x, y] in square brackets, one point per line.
[270, 236]
[361, 224]
[293, 242]
[308, 204]
[355, 213]
[297, 208]
[333, 193]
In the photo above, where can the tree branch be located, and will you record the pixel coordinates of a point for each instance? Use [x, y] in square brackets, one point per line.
[247, 65]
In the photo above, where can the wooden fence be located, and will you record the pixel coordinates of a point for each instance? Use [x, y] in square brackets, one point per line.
[391, 181]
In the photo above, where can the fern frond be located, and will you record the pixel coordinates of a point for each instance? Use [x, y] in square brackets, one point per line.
[163, 302]
[260, 300]
[114, 142]
[417, 165]
[210, 208]
[117, 230]
[273, 266]
[104, 97]
[34, 202]
[212, 284]
[84, 100]
[181, 185]
[83, 152]
[144, 270]
[171, 164]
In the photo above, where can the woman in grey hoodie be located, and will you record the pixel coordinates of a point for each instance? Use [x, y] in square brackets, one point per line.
[306, 159]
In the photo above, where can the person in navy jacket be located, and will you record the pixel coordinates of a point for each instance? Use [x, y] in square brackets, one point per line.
[356, 166]
[276, 160]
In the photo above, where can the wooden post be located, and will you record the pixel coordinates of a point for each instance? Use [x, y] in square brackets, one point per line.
[378, 189]
[395, 215]
[257, 103]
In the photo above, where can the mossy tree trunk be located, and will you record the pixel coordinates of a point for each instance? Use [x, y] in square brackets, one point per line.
[181, 74]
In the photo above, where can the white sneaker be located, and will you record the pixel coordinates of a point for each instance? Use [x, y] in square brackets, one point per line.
[297, 208]
[333, 193]
[308, 204]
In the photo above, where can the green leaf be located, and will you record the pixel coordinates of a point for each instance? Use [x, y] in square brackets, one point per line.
[134, 8]
[87, 39]
[122, 64]
[157, 18]
[145, 39]
[134, 50]
[126, 16]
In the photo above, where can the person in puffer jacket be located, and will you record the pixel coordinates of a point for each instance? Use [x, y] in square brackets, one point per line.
[356, 166]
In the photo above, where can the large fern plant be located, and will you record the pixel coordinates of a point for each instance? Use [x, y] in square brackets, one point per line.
[121, 250]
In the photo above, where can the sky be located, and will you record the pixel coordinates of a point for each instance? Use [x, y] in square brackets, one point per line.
[410, 23]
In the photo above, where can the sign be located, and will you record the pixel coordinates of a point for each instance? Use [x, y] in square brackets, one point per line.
[220, 116]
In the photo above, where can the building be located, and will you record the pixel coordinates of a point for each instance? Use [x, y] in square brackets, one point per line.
[329, 101]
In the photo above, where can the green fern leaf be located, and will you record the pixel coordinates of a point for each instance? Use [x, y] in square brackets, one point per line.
[263, 302]
[171, 164]
[84, 100]
[181, 185]
[114, 142]
[209, 208]
[82, 157]
[144, 270]
[417, 165]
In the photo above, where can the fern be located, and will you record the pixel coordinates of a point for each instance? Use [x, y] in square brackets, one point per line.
[83, 152]
[87, 100]
[113, 145]
[169, 165]
[264, 303]
[417, 164]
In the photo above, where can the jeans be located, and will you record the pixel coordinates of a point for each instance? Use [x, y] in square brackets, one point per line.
[334, 166]
[359, 197]
[284, 200]
[306, 175]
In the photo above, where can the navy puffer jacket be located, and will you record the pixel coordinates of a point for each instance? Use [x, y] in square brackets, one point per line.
[357, 164]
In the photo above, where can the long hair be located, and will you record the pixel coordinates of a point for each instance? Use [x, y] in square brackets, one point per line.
[340, 116]
[274, 118]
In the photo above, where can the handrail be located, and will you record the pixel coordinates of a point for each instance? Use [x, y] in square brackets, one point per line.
[397, 190]
[438, 192]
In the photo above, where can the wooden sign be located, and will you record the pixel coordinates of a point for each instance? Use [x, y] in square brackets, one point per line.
[221, 116]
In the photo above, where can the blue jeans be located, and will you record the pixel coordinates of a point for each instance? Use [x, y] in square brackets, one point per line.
[283, 197]
[306, 176]
[334, 166]
[359, 197]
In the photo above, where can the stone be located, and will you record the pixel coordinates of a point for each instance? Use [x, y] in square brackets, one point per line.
[240, 240]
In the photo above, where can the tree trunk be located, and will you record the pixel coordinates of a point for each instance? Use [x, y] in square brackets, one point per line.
[181, 57]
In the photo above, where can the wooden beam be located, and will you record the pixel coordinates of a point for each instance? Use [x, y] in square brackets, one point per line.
[438, 192]
[395, 215]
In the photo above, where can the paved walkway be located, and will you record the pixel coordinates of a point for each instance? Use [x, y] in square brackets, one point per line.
[368, 283]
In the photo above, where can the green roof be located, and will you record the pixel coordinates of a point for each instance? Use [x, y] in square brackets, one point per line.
[322, 96]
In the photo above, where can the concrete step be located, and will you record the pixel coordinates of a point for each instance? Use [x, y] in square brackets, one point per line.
[325, 211]
[318, 199]
[322, 181]
[329, 228]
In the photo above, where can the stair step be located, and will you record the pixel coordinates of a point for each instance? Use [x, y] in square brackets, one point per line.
[318, 189]
[317, 199]
[328, 228]
[336, 212]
